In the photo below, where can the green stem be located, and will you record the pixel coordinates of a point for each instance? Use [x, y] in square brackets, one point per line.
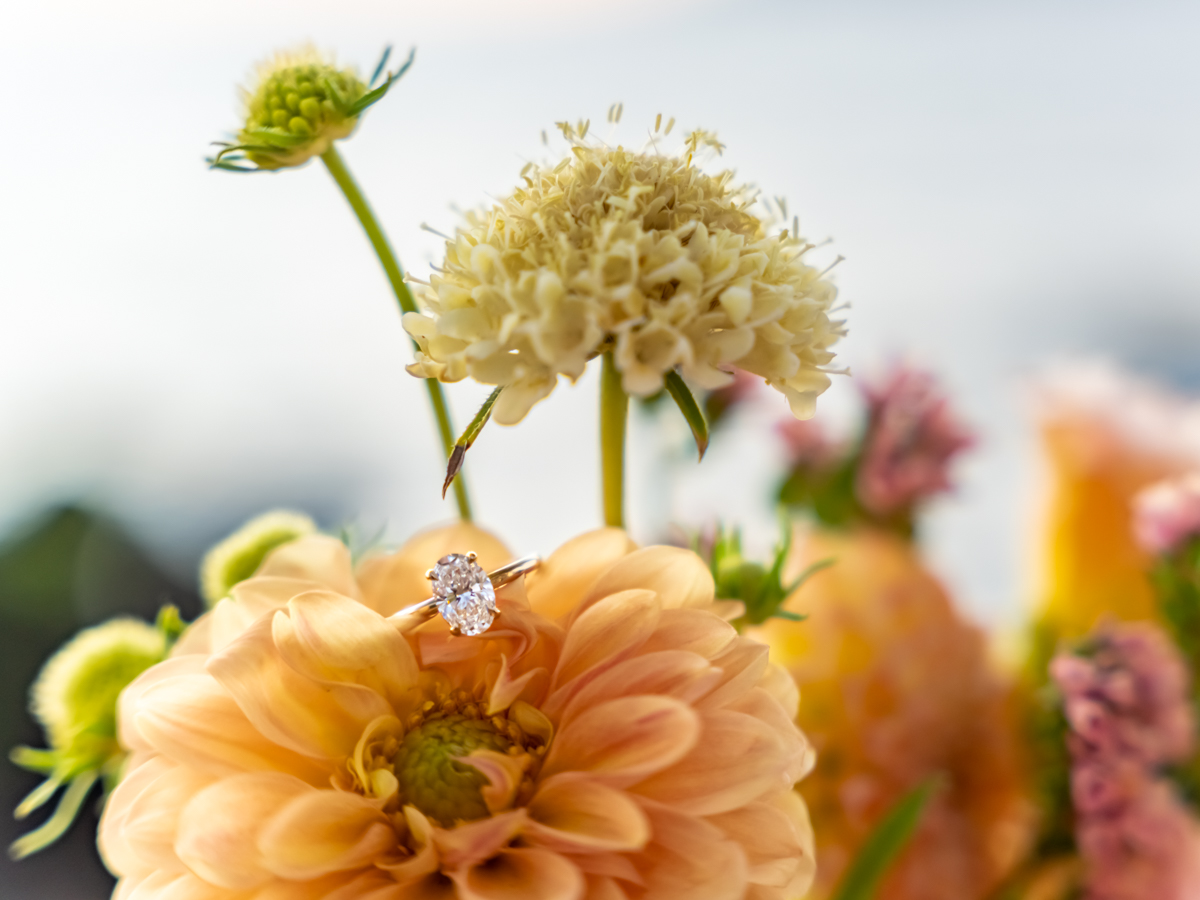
[395, 276]
[614, 413]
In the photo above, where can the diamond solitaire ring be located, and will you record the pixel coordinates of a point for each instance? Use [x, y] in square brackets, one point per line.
[464, 594]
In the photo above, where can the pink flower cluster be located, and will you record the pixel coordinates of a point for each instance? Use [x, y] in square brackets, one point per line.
[912, 435]
[1129, 714]
[1167, 514]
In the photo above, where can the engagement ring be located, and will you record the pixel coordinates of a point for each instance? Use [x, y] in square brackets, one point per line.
[464, 594]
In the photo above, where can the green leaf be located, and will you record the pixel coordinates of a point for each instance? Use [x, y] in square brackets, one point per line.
[387, 51]
[467, 438]
[788, 615]
[809, 571]
[372, 97]
[683, 398]
[875, 857]
[40, 761]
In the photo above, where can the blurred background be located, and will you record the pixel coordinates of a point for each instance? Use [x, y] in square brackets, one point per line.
[1010, 183]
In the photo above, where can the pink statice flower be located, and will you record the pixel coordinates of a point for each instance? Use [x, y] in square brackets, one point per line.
[912, 436]
[1128, 711]
[1167, 514]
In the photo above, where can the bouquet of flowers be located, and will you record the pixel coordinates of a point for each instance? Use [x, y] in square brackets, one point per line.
[620, 720]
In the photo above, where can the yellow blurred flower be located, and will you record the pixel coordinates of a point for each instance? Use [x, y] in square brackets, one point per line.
[640, 252]
[610, 737]
[897, 687]
[1106, 435]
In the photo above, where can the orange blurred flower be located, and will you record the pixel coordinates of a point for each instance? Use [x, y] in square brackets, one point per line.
[609, 737]
[897, 687]
[1106, 436]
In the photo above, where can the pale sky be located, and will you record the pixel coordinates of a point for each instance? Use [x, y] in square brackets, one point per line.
[1009, 183]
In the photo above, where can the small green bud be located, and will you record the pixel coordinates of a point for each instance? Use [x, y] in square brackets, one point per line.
[298, 94]
[75, 695]
[238, 556]
[75, 699]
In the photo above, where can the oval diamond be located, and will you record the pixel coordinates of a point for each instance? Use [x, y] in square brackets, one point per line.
[466, 598]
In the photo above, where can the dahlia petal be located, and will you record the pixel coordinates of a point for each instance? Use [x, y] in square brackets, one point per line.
[289, 709]
[573, 815]
[339, 886]
[249, 601]
[609, 865]
[743, 665]
[330, 637]
[607, 632]
[689, 858]
[434, 886]
[673, 673]
[779, 683]
[315, 557]
[177, 886]
[137, 830]
[129, 700]
[623, 741]
[218, 829]
[749, 755]
[563, 579]
[774, 849]
[678, 576]
[521, 874]
[508, 689]
[398, 580]
[695, 630]
[503, 772]
[192, 719]
[473, 842]
[196, 638]
[324, 831]
[799, 753]
[602, 888]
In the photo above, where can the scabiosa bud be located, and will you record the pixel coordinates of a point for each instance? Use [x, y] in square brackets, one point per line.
[75, 700]
[238, 556]
[300, 104]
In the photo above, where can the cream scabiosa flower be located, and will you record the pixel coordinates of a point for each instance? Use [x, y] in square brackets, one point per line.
[637, 252]
[610, 737]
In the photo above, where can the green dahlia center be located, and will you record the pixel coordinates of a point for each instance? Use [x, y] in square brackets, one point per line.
[432, 781]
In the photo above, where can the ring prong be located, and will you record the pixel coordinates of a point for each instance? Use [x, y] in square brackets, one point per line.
[429, 574]
[472, 556]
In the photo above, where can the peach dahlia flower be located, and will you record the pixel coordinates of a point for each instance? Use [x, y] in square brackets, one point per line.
[610, 737]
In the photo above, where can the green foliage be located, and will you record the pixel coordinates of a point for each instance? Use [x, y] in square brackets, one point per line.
[760, 588]
[682, 395]
[459, 454]
[885, 843]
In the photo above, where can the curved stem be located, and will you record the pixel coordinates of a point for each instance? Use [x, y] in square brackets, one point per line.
[395, 276]
[614, 414]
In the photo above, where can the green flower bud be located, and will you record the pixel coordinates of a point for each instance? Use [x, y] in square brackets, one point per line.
[75, 695]
[238, 556]
[75, 700]
[301, 104]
